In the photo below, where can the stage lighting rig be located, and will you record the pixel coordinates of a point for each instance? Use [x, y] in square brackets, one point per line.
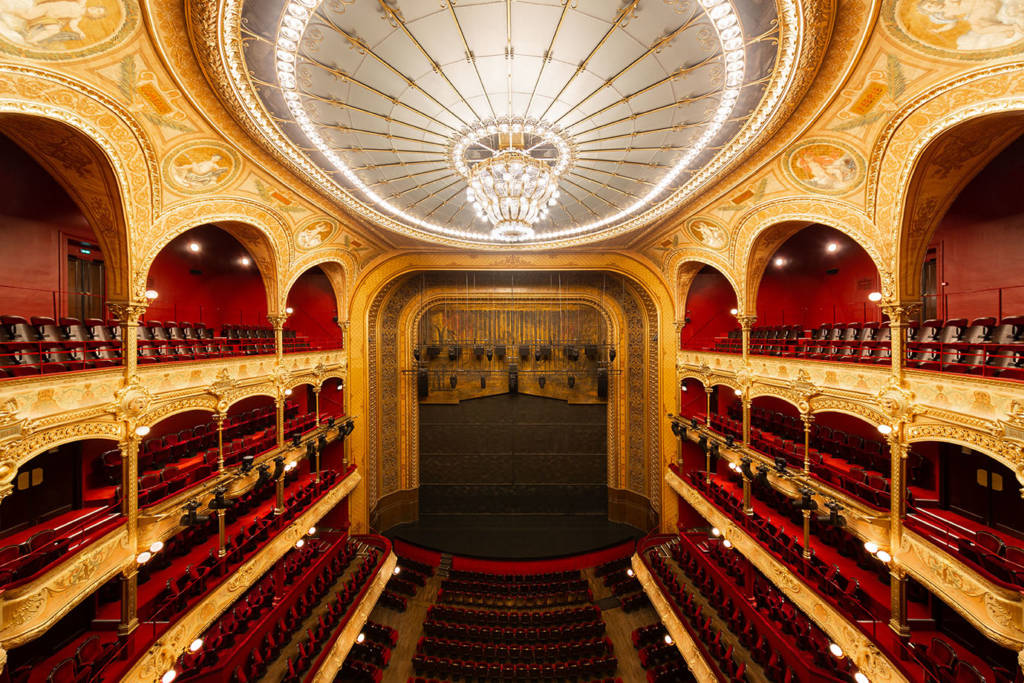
[807, 500]
[745, 466]
[220, 501]
[264, 472]
[247, 463]
[730, 440]
[780, 464]
[192, 516]
[834, 518]
[278, 467]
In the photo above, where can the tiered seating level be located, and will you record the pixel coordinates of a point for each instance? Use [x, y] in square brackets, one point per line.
[40, 345]
[759, 621]
[984, 346]
[514, 627]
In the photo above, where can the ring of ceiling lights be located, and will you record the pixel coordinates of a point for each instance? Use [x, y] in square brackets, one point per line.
[723, 20]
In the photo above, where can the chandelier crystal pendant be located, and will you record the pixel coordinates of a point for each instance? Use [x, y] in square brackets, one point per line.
[512, 168]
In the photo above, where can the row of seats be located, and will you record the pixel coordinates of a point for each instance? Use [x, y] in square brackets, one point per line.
[21, 561]
[510, 634]
[983, 346]
[672, 668]
[514, 653]
[551, 598]
[43, 345]
[89, 658]
[988, 553]
[526, 579]
[506, 618]
[940, 659]
[425, 665]
[514, 589]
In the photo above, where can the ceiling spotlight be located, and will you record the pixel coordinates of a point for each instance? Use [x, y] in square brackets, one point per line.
[141, 430]
[194, 247]
[860, 678]
[832, 247]
[884, 429]
[245, 261]
[715, 531]
[734, 311]
[884, 557]
[156, 547]
[152, 294]
[630, 573]
[195, 645]
[779, 261]
[836, 651]
[398, 570]
[289, 310]
[871, 547]
[361, 637]
[169, 676]
[875, 296]
[668, 639]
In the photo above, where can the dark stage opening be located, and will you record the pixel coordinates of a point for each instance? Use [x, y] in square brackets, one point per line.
[513, 476]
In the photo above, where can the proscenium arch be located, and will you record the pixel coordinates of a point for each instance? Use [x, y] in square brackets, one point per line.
[765, 228]
[936, 182]
[259, 229]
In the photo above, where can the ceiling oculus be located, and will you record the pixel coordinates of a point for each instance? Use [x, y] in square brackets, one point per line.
[512, 121]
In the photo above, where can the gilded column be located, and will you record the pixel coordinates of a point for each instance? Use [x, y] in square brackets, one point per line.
[899, 315]
[130, 509]
[745, 401]
[278, 322]
[898, 601]
[316, 402]
[898, 489]
[707, 416]
[128, 314]
[746, 322]
[220, 417]
[808, 420]
[279, 404]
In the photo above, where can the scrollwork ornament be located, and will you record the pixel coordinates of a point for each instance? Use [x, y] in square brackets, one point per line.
[223, 385]
[896, 400]
[131, 400]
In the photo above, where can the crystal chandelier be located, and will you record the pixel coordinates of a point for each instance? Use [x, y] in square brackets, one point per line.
[512, 168]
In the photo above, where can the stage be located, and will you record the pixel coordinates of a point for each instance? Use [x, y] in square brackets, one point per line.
[513, 537]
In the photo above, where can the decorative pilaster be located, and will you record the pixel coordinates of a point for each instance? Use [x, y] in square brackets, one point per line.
[278, 320]
[128, 314]
[898, 601]
[679, 325]
[899, 315]
[130, 487]
[746, 322]
[898, 452]
[129, 600]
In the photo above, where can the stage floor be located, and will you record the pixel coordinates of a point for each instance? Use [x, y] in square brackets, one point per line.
[514, 537]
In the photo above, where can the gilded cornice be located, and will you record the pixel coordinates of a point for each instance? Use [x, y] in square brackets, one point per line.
[861, 650]
[699, 667]
[340, 649]
[162, 655]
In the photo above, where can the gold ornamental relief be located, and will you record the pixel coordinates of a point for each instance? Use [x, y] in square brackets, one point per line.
[56, 30]
[958, 29]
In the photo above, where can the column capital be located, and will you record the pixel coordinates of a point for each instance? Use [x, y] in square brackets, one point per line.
[746, 321]
[899, 312]
[277, 320]
[127, 312]
[807, 419]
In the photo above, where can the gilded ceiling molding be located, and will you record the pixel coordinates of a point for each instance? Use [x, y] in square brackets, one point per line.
[262, 231]
[754, 240]
[214, 30]
[104, 122]
[902, 144]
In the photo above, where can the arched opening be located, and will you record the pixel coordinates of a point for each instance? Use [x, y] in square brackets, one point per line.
[63, 499]
[250, 428]
[972, 314]
[814, 298]
[179, 451]
[313, 311]
[64, 252]
[710, 321]
[210, 300]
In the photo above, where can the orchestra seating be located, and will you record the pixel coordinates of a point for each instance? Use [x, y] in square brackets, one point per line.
[40, 345]
[983, 346]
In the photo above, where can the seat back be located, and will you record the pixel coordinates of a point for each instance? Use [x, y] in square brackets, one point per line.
[953, 331]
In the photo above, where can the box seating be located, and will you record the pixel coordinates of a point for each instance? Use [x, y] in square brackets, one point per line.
[40, 345]
[982, 346]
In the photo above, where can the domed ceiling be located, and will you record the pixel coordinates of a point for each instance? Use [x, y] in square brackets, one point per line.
[510, 122]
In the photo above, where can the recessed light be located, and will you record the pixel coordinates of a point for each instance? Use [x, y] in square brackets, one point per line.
[779, 262]
[245, 261]
[194, 247]
[832, 247]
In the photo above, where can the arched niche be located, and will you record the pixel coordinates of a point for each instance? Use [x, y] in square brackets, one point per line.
[709, 301]
[313, 298]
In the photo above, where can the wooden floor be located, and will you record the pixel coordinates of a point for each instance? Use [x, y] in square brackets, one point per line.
[409, 624]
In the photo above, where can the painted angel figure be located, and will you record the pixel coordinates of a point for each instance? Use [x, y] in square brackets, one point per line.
[38, 22]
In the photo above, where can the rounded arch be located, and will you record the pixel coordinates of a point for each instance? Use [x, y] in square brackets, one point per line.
[1006, 452]
[337, 265]
[35, 443]
[162, 412]
[824, 404]
[907, 212]
[683, 268]
[268, 390]
[763, 229]
[262, 231]
[760, 391]
[95, 150]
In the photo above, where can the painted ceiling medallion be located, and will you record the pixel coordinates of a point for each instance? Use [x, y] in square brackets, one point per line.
[494, 122]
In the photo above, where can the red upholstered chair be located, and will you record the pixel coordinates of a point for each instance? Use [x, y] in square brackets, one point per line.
[64, 672]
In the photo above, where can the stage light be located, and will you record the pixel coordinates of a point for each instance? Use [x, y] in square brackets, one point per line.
[860, 678]
[832, 247]
[884, 429]
[141, 430]
[312, 530]
[734, 311]
[779, 262]
[361, 637]
[144, 557]
[245, 261]
[151, 294]
[289, 310]
[194, 247]
[668, 639]
[169, 676]
[884, 557]
[195, 645]
[836, 651]
[875, 296]
[871, 547]
[715, 531]
[299, 543]
[156, 547]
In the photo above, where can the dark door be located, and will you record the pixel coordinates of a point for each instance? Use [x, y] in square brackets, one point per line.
[85, 288]
[47, 485]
